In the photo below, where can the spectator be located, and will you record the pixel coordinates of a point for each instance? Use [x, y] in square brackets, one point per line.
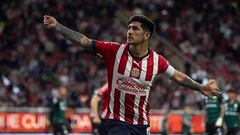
[210, 29]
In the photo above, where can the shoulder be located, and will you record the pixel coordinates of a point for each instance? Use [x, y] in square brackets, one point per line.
[98, 42]
[156, 54]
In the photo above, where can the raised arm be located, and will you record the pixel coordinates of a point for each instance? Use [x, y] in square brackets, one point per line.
[76, 37]
[211, 89]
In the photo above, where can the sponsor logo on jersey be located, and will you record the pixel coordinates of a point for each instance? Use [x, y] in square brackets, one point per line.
[131, 86]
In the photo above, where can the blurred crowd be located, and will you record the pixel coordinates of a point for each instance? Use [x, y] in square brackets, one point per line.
[207, 32]
[35, 61]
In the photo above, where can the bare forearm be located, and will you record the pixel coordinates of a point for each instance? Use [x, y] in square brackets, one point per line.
[189, 83]
[186, 81]
[73, 36]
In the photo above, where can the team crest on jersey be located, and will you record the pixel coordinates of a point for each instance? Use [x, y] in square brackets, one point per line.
[135, 72]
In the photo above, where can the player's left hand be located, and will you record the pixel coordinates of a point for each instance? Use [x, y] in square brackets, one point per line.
[211, 89]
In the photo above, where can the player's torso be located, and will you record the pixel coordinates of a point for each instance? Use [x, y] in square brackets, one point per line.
[231, 109]
[59, 116]
[133, 76]
[213, 108]
[130, 85]
[231, 115]
[186, 118]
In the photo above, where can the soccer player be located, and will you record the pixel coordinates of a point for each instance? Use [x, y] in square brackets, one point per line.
[232, 114]
[186, 121]
[97, 103]
[165, 125]
[131, 69]
[57, 114]
[214, 115]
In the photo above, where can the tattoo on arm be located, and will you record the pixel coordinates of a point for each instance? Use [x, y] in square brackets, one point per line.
[74, 36]
[189, 83]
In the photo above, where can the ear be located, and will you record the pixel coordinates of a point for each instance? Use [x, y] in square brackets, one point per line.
[147, 35]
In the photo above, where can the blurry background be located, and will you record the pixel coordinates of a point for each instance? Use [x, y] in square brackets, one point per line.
[198, 37]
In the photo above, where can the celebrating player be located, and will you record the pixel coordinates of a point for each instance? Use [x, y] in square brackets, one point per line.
[131, 69]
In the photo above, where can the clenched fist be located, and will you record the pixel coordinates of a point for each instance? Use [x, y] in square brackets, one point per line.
[50, 22]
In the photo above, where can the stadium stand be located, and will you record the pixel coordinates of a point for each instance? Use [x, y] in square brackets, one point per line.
[34, 61]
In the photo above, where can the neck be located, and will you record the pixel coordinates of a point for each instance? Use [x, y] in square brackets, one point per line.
[139, 50]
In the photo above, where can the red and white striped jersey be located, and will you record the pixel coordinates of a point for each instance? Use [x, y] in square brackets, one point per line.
[129, 82]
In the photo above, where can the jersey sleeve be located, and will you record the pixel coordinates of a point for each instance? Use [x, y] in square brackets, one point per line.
[103, 90]
[164, 66]
[105, 49]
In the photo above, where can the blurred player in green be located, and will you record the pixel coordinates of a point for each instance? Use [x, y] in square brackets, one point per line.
[214, 115]
[232, 114]
[186, 120]
[164, 125]
[57, 114]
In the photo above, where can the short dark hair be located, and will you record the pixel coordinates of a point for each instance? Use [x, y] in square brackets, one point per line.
[231, 91]
[146, 23]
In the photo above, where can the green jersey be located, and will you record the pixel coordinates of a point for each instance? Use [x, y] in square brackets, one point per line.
[58, 112]
[164, 129]
[186, 119]
[231, 114]
[213, 109]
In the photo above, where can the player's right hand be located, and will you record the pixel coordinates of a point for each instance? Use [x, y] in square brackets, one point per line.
[50, 22]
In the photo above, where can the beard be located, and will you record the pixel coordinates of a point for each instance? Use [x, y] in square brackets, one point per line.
[134, 42]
